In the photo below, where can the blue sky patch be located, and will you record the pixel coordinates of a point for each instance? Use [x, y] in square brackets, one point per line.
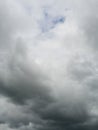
[49, 22]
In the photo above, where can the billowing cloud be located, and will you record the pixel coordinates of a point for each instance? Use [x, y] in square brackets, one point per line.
[48, 65]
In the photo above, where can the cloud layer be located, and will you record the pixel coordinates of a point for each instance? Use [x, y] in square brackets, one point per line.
[48, 65]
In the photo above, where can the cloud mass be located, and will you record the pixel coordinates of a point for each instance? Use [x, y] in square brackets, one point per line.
[48, 65]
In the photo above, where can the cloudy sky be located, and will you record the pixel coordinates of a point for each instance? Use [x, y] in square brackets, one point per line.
[48, 65]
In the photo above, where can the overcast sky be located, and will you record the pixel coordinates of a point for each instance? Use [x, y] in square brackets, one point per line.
[48, 64]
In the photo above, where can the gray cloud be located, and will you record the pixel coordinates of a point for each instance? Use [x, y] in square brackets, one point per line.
[48, 84]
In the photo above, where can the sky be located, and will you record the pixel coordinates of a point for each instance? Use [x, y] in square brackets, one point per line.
[48, 65]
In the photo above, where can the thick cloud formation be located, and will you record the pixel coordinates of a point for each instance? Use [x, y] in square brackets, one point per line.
[48, 65]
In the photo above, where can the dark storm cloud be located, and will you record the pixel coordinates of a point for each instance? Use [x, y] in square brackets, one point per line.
[26, 88]
[38, 91]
